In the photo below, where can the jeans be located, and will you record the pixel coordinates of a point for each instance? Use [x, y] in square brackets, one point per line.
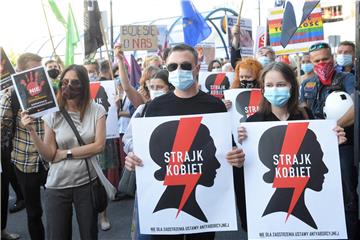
[30, 184]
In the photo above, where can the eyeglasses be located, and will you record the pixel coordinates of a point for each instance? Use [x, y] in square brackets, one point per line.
[184, 66]
[73, 83]
[318, 46]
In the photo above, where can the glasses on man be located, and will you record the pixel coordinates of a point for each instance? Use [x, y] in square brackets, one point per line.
[318, 46]
[73, 83]
[184, 66]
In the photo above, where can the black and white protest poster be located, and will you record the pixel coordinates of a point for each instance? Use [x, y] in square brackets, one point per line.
[293, 181]
[245, 102]
[185, 184]
[103, 93]
[215, 83]
[6, 69]
[34, 91]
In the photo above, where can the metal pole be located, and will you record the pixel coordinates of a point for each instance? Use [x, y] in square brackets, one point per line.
[111, 30]
[47, 24]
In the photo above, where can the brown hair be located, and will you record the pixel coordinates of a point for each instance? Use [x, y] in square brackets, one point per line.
[24, 59]
[247, 63]
[289, 76]
[84, 100]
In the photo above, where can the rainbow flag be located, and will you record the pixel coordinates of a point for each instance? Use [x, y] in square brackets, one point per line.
[309, 32]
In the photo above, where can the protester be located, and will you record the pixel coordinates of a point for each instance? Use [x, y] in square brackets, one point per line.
[280, 99]
[148, 73]
[93, 69]
[158, 85]
[68, 181]
[53, 69]
[186, 99]
[345, 57]
[134, 96]
[7, 173]
[214, 66]
[153, 60]
[105, 71]
[30, 168]
[307, 67]
[313, 94]
[247, 73]
[265, 55]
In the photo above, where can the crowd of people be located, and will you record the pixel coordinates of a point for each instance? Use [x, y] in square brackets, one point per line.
[39, 152]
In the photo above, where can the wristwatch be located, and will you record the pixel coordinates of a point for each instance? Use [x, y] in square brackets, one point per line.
[69, 154]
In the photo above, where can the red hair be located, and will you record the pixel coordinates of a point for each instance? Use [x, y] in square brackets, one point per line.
[250, 64]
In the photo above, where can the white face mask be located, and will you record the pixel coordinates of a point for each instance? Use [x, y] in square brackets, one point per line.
[156, 93]
[216, 70]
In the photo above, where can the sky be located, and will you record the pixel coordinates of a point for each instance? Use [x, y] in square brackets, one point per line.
[23, 21]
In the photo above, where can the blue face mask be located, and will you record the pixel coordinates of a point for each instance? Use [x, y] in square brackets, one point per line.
[277, 96]
[181, 79]
[344, 59]
[92, 77]
[264, 60]
[307, 67]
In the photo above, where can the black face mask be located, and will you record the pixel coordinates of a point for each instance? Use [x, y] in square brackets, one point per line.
[248, 84]
[53, 73]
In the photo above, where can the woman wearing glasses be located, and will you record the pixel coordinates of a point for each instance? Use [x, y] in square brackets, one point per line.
[68, 180]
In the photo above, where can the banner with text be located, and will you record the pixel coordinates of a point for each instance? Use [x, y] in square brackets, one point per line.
[245, 38]
[215, 83]
[245, 102]
[293, 181]
[6, 69]
[185, 171]
[34, 91]
[309, 32]
[139, 37]
[103, 93]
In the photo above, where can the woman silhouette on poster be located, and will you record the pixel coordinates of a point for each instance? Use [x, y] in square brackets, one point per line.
[161, 141]
[280, 200]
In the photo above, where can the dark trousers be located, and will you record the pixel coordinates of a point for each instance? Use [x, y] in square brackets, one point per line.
[5, 164]
[7, 176]
[59, 209]
[196, 236]
[349, 185]
[239, 185]
[30, 184]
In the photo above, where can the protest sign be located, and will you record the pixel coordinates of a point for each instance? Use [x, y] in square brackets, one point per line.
[215, 83]
[103, 93]
[309, 32]
[246, 40]
[6, 69]
[185, 184]
[34, 91]
[245, 102]
[206, 52]
[139, 37]
[293, 181]
[260, 40]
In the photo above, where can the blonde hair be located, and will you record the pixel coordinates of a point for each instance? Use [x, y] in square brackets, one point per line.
[150, 59]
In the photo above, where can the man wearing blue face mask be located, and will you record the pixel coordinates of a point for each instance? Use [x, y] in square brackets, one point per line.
[186, 99]
[265, 55]
[345, 57]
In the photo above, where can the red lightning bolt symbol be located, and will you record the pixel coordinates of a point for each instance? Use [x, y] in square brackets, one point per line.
[185, 135]
[218, 80]
[294, 136]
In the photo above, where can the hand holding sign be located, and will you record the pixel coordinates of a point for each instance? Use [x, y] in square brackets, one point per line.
[27, 121]
[118, 52]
